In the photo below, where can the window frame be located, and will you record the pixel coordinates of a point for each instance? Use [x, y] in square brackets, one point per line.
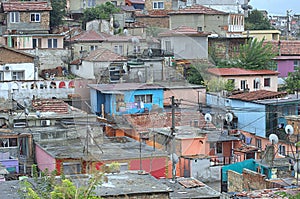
[146, 98]
[9, 143]
[243, 84]
[54, 43]
[267, 82]
[14, 17]
[158, 5]
[37, 42]
[35, 17]
[282, 150]
[15, 75]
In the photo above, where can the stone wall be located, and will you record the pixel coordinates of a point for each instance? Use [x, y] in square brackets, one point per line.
[235, 181]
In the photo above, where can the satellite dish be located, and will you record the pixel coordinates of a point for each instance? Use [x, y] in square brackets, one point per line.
[38, 114]
[228, 117]
[273, 139]
[207, 117]
[257, 80]
[26, 111]
[289, 129]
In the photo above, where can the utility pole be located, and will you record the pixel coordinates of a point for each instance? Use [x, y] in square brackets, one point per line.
[173, 139]
[288, 23]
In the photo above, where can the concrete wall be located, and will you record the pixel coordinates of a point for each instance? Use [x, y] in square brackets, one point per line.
[187, 47]
[27, 68]
[50, 58]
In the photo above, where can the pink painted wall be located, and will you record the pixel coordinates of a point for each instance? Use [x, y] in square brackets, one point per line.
[193, 146]
[284, 67]
[157, 167]
[44, 160]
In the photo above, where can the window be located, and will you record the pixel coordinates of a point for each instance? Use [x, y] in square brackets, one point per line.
[35, 17]
[143, 98]
[1, 76]
[243, 84]
[114, 2]
[199, 29]
[91, 3]
[267, 82]
[258, 143]
[158, 5]
[296, 63]
[136, 49]
[14, 17]
[52, 43]
[219, 148]
[118, 49]
[8, 142]
[168, 46]
[71, 168]
[37, 43]
[93, 47]
[281, 149]
[255, 84]
[18, 75]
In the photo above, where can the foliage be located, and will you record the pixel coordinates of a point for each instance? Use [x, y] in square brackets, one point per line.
[57, 13]
[215, 85]
[114, 167]
[197, 73]
[292, 82]
[47, 187]
[254, 55]
[257, 21]
[229, 85]
[288, 195]
[102, 11]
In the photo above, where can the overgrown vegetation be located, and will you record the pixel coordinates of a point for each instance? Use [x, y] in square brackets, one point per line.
[48, 187]
[101, 11]
[57, 13]
[257, 21]
[292, 82]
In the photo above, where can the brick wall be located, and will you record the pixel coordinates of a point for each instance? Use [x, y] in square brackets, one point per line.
[9, 56]
[161, 22]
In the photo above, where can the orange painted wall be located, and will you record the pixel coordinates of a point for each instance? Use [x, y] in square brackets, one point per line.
[192, 146]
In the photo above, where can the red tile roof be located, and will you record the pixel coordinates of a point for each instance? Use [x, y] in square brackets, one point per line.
[198, 9]
[286, 47]
[104, 55]
[137, 1]
[258, 95]
[114, 38]
[51, 105]
[183, 30]
[26, 6]
[239, 72]
[90, 35]
[153, 13]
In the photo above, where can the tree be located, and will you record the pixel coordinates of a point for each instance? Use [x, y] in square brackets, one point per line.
[257, 21]
[254, 55]
[57, 13]
[47, 187]
[102, 11]
[292, 82]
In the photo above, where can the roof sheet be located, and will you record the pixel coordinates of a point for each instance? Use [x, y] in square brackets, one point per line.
[239, 72]
[104, 55]
[257, 95]
[124, 86]
[198, 9]
[26, 6]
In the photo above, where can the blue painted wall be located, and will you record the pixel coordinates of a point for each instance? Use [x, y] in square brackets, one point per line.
[251, 116]
[130, 106]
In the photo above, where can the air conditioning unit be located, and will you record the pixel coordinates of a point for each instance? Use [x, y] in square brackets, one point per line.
[45, 122]
[6, 68]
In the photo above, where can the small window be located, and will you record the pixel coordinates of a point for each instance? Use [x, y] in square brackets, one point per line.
[267, 82]
[36, 43]
[91, 3]
[52, 43]
[219, 147]
[143, 98]
[92, 48]
[1, 76]
[14, 17]
[243, 84]
[71, 168]
[258, 143]
[158, 5]
[18, 75]
[199, 29]
[35, 17]
[296, 63]
[255, 84]
[281, 149]
[8, 142]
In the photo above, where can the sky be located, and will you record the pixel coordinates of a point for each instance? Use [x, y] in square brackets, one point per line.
[277, 7]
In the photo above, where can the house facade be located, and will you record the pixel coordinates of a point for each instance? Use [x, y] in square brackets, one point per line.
[244, 79]
[185, 42]
[207, 19]
[266, 35]
[259, 112]
[16, 65]
[101, 64]
[125, 98]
